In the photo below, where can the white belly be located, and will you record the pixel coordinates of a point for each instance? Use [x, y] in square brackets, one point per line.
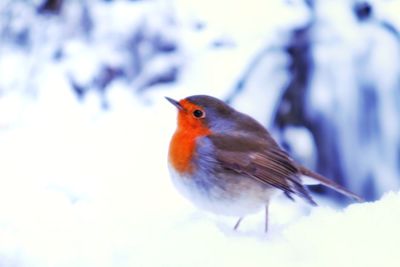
[238, 201]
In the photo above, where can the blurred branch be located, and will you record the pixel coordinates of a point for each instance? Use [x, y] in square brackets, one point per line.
[51, 7]
[251, 67]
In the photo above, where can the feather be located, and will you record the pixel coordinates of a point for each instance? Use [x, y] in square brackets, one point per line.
[259, 160]
[329, 183]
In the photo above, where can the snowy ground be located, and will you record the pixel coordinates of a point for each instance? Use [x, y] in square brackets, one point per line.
[95, 191]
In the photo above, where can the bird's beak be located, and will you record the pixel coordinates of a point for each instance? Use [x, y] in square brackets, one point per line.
[174, 102]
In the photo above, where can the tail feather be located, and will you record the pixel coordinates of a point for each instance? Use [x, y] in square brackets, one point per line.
[329, 183]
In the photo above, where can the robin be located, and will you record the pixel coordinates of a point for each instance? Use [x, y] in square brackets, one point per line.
[226, 162]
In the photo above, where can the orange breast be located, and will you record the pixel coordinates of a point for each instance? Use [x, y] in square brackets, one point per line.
[183, 145]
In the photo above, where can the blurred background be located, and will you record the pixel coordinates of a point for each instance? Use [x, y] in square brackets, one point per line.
[84, 127]
[324, 76]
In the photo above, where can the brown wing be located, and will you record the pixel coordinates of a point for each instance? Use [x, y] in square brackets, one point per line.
[260, 159]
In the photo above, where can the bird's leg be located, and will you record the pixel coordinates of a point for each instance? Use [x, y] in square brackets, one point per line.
[266, 217]
[237, 224]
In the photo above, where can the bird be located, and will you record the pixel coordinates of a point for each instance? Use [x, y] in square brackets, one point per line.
[227, 163]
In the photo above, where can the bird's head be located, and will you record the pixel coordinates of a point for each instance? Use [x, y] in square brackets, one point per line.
[204, 112]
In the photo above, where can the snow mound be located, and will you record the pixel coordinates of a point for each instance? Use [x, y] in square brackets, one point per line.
[96, 192]
[360, 235]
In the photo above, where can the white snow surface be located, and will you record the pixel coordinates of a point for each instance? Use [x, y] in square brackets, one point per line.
[94, 190]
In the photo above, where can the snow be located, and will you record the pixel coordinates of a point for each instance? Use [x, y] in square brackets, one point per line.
[96, 192]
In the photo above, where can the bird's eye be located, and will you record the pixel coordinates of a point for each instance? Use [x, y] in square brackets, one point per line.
[198, 113]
